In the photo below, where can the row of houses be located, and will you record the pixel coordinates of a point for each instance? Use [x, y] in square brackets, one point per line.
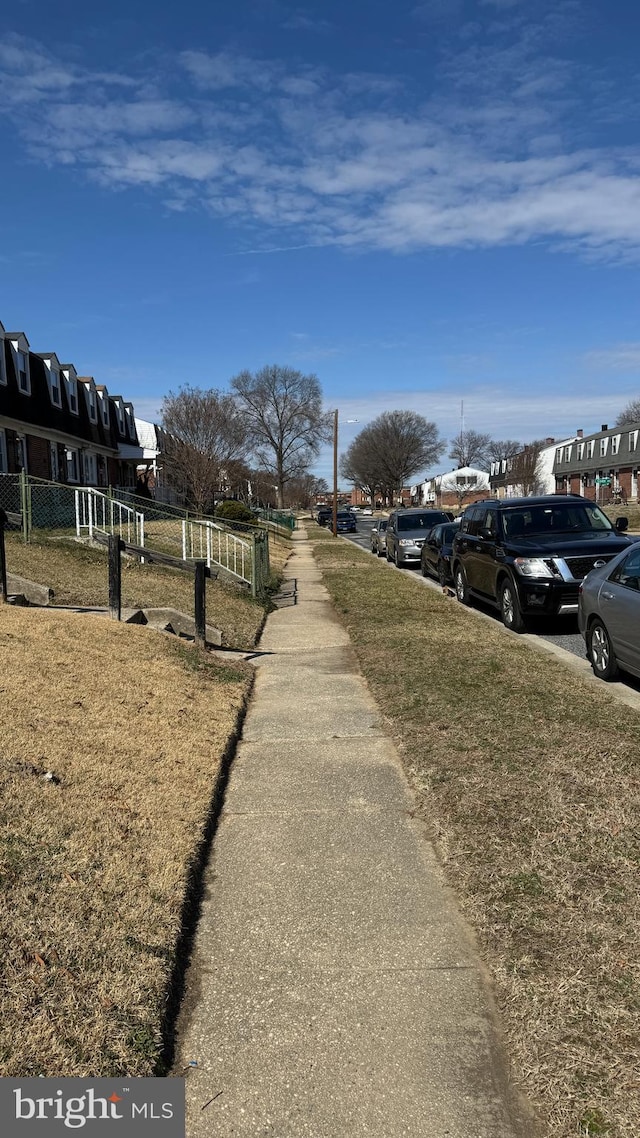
[602, 466]
[65, 427]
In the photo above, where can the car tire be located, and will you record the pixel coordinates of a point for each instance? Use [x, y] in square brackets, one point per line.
[396, 560]
[510, 610]
[443, 576]
[387, 555]
[381, 553]
[423, 567]
[462, 588]
[601, 655]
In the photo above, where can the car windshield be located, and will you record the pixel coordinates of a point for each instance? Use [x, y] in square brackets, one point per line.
[419, 521]
[566, 517]
[382, 525]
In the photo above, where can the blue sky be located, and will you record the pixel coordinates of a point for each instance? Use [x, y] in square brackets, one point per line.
[422, 203]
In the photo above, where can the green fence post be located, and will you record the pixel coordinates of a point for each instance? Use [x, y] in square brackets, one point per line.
[23, 506]
[254, 565]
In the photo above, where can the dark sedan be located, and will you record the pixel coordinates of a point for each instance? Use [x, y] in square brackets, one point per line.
[435, 559]
[345, 522]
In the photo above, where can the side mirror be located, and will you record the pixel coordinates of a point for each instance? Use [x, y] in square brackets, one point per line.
[486, 533]
[622, 524]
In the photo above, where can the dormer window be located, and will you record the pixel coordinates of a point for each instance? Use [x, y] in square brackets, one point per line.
[580, 451]
[604, 445]
[121, 422]
[131, 423]
[567, 454]
[615, 444]
[104, 409]
[55, 388]
[90, 393]
[591, 446]
[72, 392]
[24, 383]
[558, 454]
[633, 440]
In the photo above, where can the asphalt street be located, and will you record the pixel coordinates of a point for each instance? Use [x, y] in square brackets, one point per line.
[562, 631]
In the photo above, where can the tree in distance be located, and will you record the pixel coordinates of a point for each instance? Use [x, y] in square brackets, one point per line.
[524, 472]
[470, 448]
[629, 414]
[207, 435]
[285, 421]
[499, 449]
[390, 450]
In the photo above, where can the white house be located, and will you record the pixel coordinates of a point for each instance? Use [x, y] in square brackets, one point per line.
[465, 483]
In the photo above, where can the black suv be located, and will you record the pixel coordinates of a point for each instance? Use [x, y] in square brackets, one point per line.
[527, 556]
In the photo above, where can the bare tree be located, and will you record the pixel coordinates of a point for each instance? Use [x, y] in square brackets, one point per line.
[523, 469]
[285, 420]
[499, 449]
[304, 491]
[393, 447]
[629, 414]
[207, 435]
[361, 465]
[470, 448]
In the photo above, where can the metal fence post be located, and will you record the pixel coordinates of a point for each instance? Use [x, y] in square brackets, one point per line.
[3, 559]
[200, 602]
[24, 506]
[254, 565]
[115, 577]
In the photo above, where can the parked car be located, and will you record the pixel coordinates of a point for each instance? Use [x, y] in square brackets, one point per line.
[367, 512]
[609, 615]
[379, 538]
[324, 515]
[435, 559]
[345, 522]
[527, 556]
[406, 532]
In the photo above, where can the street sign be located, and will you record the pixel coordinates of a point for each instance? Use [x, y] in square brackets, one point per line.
[603, 481]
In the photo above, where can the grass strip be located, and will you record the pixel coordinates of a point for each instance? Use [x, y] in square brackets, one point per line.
[78, 575]
[528, 782]
[96, 860]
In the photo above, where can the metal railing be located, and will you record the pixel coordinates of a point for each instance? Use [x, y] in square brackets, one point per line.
[246, 558]
[97, 512]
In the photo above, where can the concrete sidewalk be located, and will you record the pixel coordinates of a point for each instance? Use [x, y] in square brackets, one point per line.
[334, 990]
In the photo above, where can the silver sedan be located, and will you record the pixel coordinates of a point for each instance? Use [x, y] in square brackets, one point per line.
[609, 615]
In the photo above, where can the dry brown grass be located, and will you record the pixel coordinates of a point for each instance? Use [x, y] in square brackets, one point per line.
[528, 780]
[93, 869]
[78, 575]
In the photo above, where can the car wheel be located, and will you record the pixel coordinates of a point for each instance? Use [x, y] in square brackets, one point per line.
[462, 588]
[381, 553]
[388, 555]
[510, 607]
[423, 567]
[601, 654]
[443, 576]
[396, 560]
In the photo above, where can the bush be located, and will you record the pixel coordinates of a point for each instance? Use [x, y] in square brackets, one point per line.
[234, 511]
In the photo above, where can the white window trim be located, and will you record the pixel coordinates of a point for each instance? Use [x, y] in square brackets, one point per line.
[17, 352]
[91, 396]
[122, 423]
[604, 446]
[615, 444]
[71, 383]
[591, 447]
[633, 440]
[567, 454]
[51, 372]
[72, 455]
[104, 409]
[580, 451]
[4, 459]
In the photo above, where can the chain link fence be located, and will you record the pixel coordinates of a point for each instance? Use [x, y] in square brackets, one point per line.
[48, 509]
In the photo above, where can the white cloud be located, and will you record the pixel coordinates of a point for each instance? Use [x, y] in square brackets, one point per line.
[310, 159]
[620, 358]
